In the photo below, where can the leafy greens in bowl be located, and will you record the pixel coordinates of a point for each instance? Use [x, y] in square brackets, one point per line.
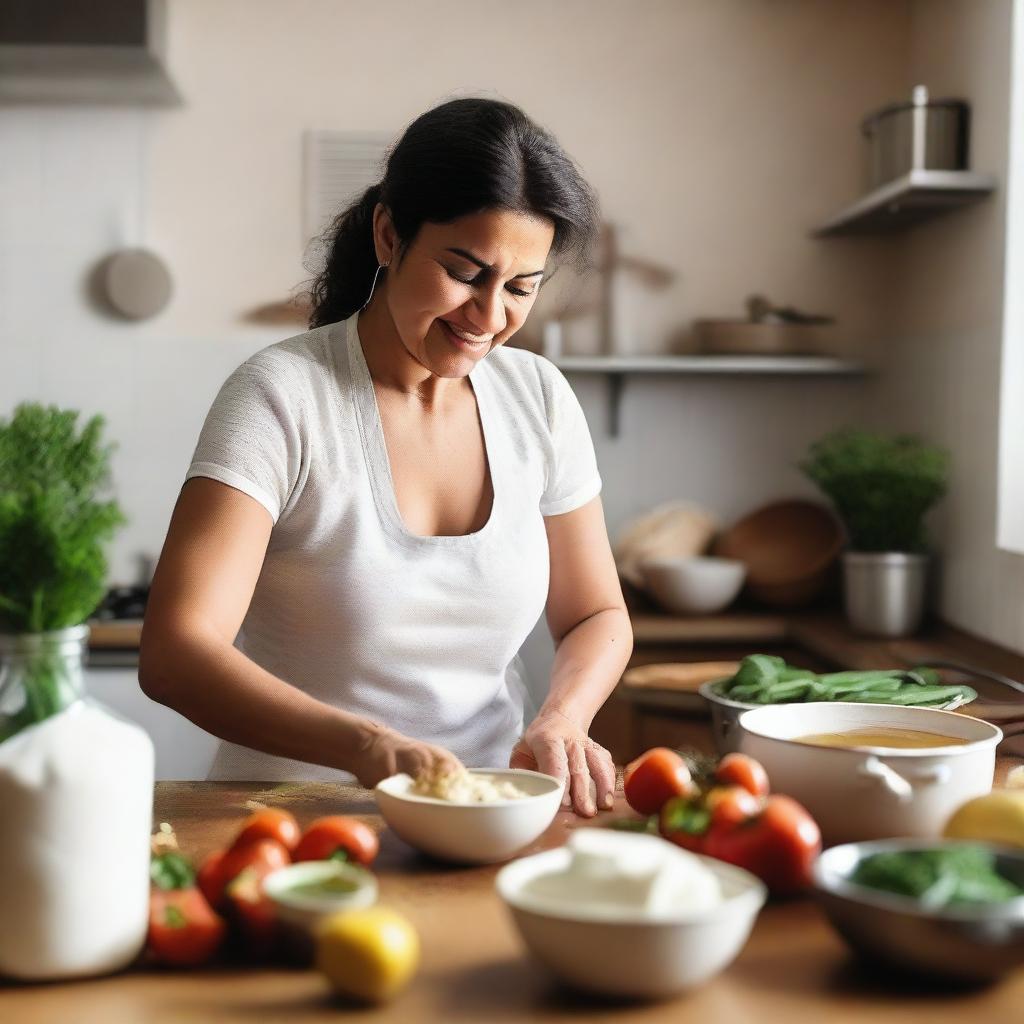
[767, 679]
[944, 908]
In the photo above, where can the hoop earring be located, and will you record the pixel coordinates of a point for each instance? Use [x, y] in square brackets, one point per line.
[380, 267]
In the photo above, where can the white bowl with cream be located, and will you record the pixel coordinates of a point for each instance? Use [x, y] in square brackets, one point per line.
[649, 922]
[472, 833]
[871, 792]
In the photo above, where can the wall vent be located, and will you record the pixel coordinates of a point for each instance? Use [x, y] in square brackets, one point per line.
[337, 168]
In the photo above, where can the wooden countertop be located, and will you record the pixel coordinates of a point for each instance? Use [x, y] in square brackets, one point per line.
[794, 967]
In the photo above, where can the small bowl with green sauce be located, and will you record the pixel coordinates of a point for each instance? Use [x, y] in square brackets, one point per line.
[306, 893]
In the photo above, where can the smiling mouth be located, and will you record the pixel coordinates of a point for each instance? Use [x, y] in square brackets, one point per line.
[462, 338]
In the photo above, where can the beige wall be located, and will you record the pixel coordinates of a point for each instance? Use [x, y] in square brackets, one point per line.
[717, 132]
[941, 370]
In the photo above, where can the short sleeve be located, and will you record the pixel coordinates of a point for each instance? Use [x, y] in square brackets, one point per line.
[572, 476]
[251, 439]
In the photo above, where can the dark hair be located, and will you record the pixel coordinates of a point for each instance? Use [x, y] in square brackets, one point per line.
[463, 157]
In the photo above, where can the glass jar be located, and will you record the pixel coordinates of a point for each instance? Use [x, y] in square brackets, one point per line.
[40, 675]
[76, 801]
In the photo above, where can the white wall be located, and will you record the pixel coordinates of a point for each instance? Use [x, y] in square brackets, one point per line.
[942, 367]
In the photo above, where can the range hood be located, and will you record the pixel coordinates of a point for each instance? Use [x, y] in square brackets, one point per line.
[106, 52]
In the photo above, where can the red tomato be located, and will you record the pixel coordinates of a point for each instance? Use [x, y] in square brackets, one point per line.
[270, 823]
[210, 878]
[327, 837]
[655, 778]
[685, 822]
[183, 930]
[252, 911]
[221, 868]
[740, 770]
[729, 805]
[779, 845]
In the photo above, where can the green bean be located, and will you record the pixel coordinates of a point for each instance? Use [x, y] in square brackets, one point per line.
[834, 678]
[890, 684]
[760, 669]
[788, 675]
[786, 693]
[924, 677]
[746, 693]
[915, 695]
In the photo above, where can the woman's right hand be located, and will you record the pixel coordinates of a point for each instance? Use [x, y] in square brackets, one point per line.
[384, 752]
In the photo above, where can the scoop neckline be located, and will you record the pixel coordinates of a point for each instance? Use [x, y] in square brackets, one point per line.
[378, 462]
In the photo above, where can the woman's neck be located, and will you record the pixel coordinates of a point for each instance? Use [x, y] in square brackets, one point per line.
[391, 366]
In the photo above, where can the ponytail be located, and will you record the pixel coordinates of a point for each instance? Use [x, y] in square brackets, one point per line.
[343, 285]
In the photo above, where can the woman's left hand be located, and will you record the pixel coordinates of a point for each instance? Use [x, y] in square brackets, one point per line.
[556, 745]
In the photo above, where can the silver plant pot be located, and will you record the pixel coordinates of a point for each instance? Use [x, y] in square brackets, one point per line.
[884, 592]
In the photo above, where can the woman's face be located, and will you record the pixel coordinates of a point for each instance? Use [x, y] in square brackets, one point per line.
[462, 289]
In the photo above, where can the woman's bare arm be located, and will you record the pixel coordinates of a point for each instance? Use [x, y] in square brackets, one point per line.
[590, 625]
[201, 590]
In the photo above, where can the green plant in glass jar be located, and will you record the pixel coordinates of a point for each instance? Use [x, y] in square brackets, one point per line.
[883, 487]
[55, 519]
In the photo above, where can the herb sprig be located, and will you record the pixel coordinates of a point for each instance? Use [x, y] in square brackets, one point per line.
[53, 519]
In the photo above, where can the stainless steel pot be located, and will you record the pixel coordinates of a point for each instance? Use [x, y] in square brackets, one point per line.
[923, 134]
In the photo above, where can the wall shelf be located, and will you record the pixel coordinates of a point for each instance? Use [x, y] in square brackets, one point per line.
[914, 197]
[617, 368]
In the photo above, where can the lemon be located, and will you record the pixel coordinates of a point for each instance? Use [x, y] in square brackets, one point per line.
[995, 818]
[367, 954]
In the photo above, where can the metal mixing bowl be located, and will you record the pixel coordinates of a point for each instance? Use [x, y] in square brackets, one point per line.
[963, 943]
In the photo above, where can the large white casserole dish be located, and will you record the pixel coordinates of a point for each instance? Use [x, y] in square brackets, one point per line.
[871, 793]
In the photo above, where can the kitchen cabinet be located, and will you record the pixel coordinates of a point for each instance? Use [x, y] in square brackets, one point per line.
[183, 750]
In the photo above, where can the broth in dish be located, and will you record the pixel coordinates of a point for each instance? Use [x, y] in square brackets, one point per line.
[891, 738]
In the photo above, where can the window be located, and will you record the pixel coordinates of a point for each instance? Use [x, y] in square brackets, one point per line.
[1010, 529]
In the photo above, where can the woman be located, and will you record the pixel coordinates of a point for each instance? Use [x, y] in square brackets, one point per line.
[378, 510]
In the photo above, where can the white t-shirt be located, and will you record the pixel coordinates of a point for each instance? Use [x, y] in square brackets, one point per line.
[419, 633]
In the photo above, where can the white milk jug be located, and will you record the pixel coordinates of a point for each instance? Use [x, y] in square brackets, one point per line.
[76, 805]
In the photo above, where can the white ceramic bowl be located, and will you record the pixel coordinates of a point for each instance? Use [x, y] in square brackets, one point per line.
[471, 833]
[635, 956]
[871, 793]
[694, 586]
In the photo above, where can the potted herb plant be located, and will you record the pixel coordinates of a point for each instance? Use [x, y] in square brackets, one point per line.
[76, 781]
[882, 487]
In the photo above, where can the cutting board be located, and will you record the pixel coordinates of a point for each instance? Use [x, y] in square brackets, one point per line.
[685, 676]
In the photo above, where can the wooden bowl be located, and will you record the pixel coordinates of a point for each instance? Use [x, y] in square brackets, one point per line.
[788, 548]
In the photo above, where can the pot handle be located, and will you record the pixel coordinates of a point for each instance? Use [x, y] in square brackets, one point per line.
[939, 774]
[878, 771]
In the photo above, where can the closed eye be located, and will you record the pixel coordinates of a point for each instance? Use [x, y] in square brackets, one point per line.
[477, 280]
